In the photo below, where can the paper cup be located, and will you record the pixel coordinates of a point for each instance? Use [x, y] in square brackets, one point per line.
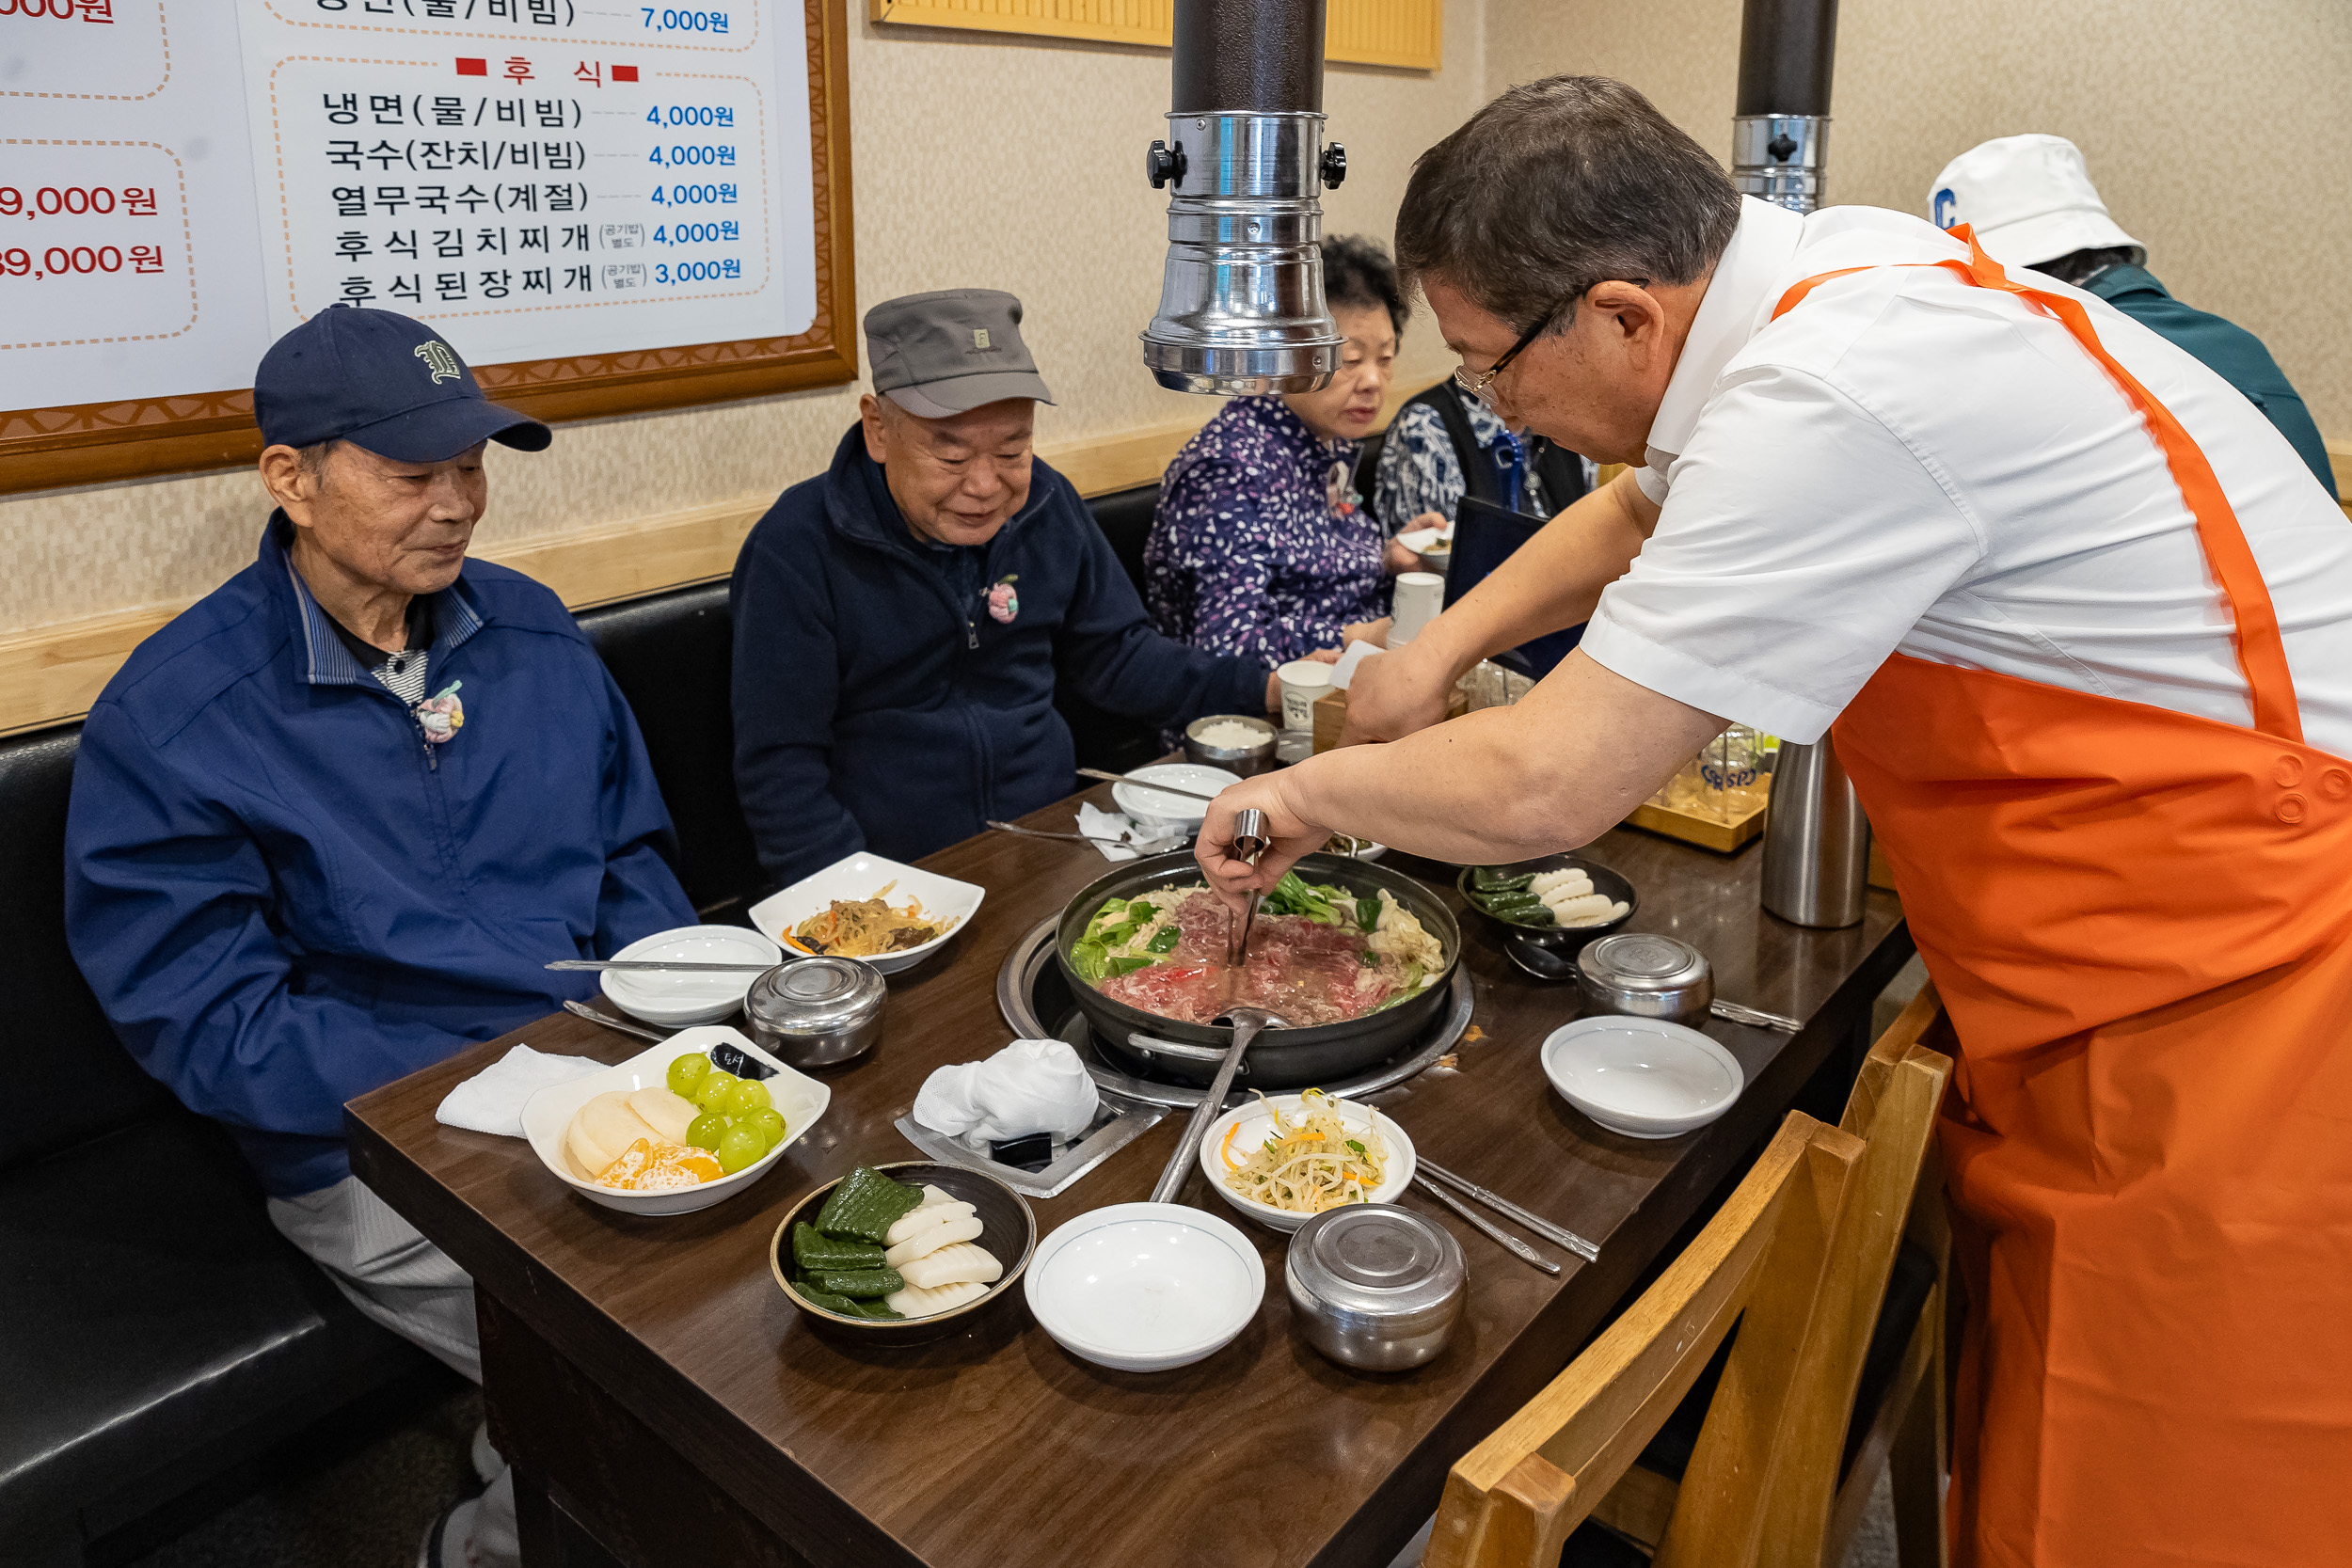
[1303, 681]
[1419, 599]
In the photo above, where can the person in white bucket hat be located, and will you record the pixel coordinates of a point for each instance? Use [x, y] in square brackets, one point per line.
[2030, 203]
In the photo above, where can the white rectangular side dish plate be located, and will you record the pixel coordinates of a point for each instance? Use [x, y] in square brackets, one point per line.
[861, 876]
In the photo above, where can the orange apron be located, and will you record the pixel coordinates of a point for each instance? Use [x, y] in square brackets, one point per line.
[2141, 922]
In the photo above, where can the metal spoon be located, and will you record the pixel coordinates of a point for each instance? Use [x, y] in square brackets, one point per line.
[1545, 964]
[1249, 1022]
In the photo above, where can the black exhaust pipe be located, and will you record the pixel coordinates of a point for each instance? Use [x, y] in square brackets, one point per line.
[1788, 49]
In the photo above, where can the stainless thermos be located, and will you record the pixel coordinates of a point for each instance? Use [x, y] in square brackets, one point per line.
[1817, 842]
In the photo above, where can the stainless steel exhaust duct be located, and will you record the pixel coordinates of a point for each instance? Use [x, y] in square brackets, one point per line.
[1781, 119]
[1240, 298]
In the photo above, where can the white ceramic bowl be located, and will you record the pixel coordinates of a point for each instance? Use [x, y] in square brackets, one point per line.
[861, 876]
[1144, 1286]
[1155, 807]
[547, 1115]
[1643, 1077]
[1250, 1125]
[1373, 849]
[1421, 541]
[675, 1001]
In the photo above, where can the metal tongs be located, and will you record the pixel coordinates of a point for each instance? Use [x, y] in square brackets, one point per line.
[1249, 842]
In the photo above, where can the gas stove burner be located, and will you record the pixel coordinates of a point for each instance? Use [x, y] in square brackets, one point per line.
[1035, 1000]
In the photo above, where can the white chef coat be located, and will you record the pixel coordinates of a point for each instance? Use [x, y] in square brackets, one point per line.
[1906, 463]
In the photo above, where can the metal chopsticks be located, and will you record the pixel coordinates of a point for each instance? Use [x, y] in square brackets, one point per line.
[1109, 777]
[660, 967]
[580, 1010]
[1511, 1244]
[1540, 1226]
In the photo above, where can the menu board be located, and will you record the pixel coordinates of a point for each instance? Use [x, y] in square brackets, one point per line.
[602, 206]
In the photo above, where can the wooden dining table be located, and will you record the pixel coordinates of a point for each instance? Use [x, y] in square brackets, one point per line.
[662, 1402]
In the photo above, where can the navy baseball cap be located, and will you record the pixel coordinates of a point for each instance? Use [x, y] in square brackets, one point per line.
[383, 381]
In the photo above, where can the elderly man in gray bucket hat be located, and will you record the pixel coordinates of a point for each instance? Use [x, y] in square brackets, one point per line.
[900, 619]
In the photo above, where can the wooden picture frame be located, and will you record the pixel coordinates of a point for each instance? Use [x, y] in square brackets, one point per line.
[97, 443]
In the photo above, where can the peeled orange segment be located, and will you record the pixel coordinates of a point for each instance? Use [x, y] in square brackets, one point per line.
[655, 1165]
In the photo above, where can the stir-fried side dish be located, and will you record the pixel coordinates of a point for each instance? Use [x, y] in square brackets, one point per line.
[1310, 1164]
[862, 927]
[1319, 954]
[882, 1249]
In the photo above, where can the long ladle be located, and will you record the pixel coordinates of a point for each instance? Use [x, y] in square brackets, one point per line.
[1248, 1023]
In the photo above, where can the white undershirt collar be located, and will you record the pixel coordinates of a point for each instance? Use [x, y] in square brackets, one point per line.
[1733, 309]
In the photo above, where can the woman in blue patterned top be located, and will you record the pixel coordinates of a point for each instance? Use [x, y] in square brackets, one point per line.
[1261, 546]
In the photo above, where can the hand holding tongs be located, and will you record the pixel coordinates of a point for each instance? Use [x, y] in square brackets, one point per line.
[1249, 842]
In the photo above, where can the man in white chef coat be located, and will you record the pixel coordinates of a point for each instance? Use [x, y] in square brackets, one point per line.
[2084, 626]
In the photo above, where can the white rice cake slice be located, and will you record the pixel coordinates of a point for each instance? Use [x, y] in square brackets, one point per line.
[1573, 879]
[1614, 911]
[952, 1265]
[916, 1301]
[950, 1229]
[923, 1216]
[1573, 911]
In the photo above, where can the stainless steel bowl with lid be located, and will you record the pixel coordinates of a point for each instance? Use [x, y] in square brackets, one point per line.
[1376, 1287]
[1642, 975]
[814, 1012]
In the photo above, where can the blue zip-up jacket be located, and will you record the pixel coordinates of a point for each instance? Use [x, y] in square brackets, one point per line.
[876, 709]
[283, 897]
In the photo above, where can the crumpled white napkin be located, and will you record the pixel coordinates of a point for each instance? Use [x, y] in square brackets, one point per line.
[1028, 1086]
[1095, 822]
[1356, 653]
[492, 1099]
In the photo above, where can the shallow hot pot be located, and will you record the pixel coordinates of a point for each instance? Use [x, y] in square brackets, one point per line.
[1282, 1058]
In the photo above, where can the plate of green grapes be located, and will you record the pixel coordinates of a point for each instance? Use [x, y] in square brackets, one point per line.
[679, 1126]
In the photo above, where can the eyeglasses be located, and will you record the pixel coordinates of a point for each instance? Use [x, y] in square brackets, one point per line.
[1482, 385]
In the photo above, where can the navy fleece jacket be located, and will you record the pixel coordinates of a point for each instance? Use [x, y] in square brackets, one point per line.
[878, 709]
[284, 896]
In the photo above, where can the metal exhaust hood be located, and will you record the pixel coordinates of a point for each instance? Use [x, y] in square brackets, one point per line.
[1780, 125]
[1241, 296]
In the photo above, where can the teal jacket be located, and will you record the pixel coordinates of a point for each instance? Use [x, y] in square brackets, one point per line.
[2229, 351]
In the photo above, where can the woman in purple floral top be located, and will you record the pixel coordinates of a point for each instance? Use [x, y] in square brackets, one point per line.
[1261, 546]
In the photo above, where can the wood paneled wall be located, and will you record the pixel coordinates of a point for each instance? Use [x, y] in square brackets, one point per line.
[1407, 33]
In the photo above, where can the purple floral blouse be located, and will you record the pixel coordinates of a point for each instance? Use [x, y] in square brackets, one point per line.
[1259, 546]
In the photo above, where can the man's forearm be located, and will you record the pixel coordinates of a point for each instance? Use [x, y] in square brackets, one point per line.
[1554, 773]
[1550, 583]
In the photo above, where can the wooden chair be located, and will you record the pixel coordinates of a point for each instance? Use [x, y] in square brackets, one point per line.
[1800, 1258]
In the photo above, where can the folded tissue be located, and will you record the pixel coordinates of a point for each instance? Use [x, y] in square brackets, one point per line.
[1028, 1086]
[492, 1099]
[1096, 823]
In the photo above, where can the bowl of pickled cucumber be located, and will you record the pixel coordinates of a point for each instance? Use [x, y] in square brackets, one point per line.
[1558, 901]
[902, 1253]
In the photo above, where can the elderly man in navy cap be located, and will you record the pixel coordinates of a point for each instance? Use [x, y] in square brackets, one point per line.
[329, 824]
[900, 621]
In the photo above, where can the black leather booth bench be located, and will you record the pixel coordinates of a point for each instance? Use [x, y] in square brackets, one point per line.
[156, 1331]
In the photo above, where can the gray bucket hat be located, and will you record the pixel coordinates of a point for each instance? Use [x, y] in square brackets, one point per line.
[950, 351]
